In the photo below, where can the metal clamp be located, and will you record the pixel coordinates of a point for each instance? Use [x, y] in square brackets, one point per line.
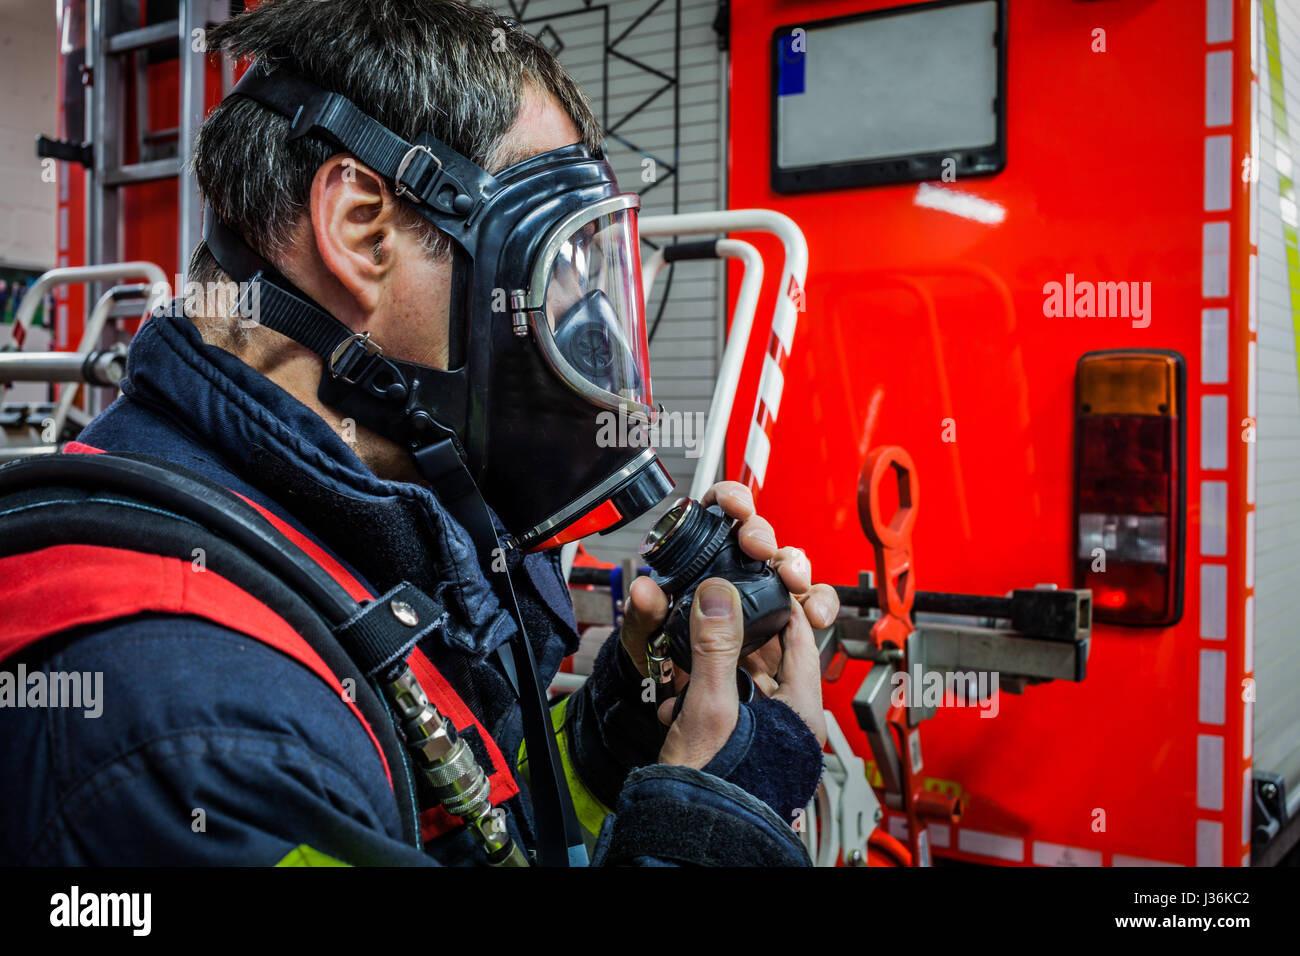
[402, 189]
[660, 665]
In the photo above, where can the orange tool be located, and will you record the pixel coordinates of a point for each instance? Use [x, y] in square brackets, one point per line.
[899, 758]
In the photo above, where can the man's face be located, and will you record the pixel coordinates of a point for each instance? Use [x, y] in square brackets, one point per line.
[412, 322]
[357, 256]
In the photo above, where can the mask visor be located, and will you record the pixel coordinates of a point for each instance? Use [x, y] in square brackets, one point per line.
[590, 321]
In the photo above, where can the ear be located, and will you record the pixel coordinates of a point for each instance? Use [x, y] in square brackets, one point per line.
[352, 213]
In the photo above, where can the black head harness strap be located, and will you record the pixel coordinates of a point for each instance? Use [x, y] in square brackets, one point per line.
[388, 396]
[443, 186]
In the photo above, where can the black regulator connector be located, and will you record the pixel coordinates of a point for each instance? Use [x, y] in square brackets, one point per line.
[691, 543]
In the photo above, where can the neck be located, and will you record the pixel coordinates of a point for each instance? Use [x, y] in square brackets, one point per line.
[297, 370]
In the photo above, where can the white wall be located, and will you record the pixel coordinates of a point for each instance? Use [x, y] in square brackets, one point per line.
[28, 47]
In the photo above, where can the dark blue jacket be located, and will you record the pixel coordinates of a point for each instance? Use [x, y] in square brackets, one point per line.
[213, 748]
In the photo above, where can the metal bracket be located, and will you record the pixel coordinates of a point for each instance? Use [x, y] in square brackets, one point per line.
[844, 809]
[1269, 812]
[871, 706]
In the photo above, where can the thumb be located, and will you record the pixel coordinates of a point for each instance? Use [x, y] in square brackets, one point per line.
[717, 630]
[712, 707]
[646, 608]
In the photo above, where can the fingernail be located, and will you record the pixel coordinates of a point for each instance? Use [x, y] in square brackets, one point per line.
[714, 601]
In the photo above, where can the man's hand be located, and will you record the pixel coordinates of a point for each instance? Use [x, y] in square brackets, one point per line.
[647, 605]
[709, 712]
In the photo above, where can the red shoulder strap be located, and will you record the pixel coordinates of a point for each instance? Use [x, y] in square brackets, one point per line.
[437, 821]
[114, 582]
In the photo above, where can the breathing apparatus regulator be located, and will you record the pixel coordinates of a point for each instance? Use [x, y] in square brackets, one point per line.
[688, 544]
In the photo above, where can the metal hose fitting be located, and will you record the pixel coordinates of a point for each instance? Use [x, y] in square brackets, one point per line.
[448, 764]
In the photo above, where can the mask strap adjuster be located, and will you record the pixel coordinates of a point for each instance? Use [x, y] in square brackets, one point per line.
[427, 182]
[404, 166]
[440, 464]
[359, 361]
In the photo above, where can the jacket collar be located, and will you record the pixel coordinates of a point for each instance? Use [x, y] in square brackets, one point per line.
[389, 531]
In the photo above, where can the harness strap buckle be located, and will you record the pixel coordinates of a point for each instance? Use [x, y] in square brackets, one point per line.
[402, 167]
[345, 357]
[431, 184]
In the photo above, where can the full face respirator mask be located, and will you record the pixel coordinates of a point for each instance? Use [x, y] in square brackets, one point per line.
[547, 326]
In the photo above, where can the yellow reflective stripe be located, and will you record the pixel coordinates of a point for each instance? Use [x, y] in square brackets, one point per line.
[303, 855]
[591, 812]
[1286, 187]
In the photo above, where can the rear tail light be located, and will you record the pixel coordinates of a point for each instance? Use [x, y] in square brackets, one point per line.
[1128, 510]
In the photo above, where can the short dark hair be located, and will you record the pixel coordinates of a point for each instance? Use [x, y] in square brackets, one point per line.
[448, 67]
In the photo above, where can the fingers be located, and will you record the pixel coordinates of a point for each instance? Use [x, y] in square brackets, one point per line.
[763, 679]
[801, 677]
[821, 604]
[733, 497]
[763, 665]
[717, 627]
[795, 569]
[646, 608]
[767, 657]
[757, 539]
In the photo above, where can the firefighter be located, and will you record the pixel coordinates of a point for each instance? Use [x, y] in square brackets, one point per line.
[428, 291]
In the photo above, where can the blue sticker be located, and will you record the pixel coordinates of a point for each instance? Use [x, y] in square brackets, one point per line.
[790, 80]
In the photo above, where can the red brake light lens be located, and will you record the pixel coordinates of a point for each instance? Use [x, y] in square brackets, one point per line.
[1129, 510]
